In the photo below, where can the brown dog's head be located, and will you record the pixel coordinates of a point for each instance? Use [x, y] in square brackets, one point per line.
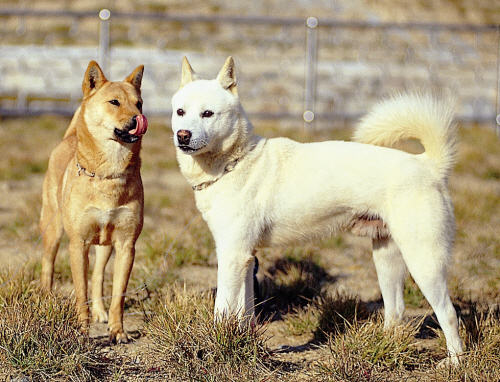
[113, 110]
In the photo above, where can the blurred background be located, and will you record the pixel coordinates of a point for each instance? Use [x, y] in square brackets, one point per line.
[299, 62]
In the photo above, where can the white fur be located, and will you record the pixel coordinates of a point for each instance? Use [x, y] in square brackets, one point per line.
[255, 192]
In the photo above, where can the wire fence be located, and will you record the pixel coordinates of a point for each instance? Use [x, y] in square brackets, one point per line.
[289, 69]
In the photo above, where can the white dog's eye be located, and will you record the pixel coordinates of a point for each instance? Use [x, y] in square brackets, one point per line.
[114, 102]
[207, 113]
[180, 112]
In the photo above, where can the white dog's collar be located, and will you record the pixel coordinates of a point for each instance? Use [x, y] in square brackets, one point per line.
[229, 167]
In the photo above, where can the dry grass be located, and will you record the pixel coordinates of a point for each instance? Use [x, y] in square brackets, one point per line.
[22, 154]
[183, 343]
[365, 352]
[40, 336]
[195, 347]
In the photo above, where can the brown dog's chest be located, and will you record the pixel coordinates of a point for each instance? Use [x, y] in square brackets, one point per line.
[102, 227]
[102, 211]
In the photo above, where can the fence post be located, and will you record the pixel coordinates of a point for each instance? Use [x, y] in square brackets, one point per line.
[497, 119]
[310, 85]
[22, 102]
[104, 15]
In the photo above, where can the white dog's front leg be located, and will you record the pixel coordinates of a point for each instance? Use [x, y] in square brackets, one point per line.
[235, 293]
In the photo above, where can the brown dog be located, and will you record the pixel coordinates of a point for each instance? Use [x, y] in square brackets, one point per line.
[93, 191]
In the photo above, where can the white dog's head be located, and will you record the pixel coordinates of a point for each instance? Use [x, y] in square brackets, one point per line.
[205, 111]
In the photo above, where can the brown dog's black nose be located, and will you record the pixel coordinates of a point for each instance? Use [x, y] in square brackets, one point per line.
[183, 137]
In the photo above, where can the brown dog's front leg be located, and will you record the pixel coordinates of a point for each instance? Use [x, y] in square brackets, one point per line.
[79, 259]
[123, 267]
[103, 252]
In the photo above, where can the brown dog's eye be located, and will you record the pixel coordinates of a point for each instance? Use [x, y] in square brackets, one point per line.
[114, 102]
[180, 112]
[207, 113]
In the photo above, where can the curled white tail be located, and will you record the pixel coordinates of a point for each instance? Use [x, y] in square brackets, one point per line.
[412, 115]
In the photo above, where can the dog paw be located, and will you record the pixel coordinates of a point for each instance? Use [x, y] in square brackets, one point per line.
[100, 316]
[449, 362]
[119, 338]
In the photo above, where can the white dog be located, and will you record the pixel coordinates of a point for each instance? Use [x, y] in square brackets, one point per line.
[255, 192]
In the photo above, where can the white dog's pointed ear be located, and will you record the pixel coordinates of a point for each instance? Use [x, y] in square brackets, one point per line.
[188, 74]
[227, 76]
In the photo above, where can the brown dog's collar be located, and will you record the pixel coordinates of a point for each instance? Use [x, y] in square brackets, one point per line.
[229, 167]
[83, 170]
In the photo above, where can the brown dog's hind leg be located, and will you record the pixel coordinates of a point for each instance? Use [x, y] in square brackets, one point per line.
[51, 229]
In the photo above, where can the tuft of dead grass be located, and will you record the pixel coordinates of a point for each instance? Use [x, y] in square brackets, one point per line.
[480, 329]
[194, 346]
[40, 335]
[365, 351]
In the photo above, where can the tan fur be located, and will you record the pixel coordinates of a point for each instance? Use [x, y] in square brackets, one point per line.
[105, 209]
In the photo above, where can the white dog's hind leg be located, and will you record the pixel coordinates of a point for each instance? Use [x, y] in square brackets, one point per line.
[235, 285]
[427, 265]
[391, 272]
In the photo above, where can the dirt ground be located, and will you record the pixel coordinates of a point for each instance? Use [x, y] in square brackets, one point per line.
[348, 264]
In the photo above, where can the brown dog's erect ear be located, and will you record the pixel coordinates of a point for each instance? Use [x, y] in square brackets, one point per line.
[227, 76]
[188, 74]
[93, 80]
[136, 77]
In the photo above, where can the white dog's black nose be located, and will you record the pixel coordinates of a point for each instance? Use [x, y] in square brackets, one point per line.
[183, 137]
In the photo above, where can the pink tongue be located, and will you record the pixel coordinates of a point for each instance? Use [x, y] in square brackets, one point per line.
[142, 125]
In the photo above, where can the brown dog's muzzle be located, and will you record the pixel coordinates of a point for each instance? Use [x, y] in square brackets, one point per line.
[134, 130]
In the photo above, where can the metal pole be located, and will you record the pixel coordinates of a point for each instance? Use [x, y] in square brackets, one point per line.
[497, 119]
[310, 85]
[104, 15]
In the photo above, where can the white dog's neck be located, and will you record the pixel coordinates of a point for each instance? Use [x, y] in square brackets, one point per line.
[207, 168]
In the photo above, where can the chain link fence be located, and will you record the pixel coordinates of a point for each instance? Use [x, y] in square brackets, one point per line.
[294, 70]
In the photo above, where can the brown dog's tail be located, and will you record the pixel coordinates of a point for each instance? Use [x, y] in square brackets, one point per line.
[413, 116]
